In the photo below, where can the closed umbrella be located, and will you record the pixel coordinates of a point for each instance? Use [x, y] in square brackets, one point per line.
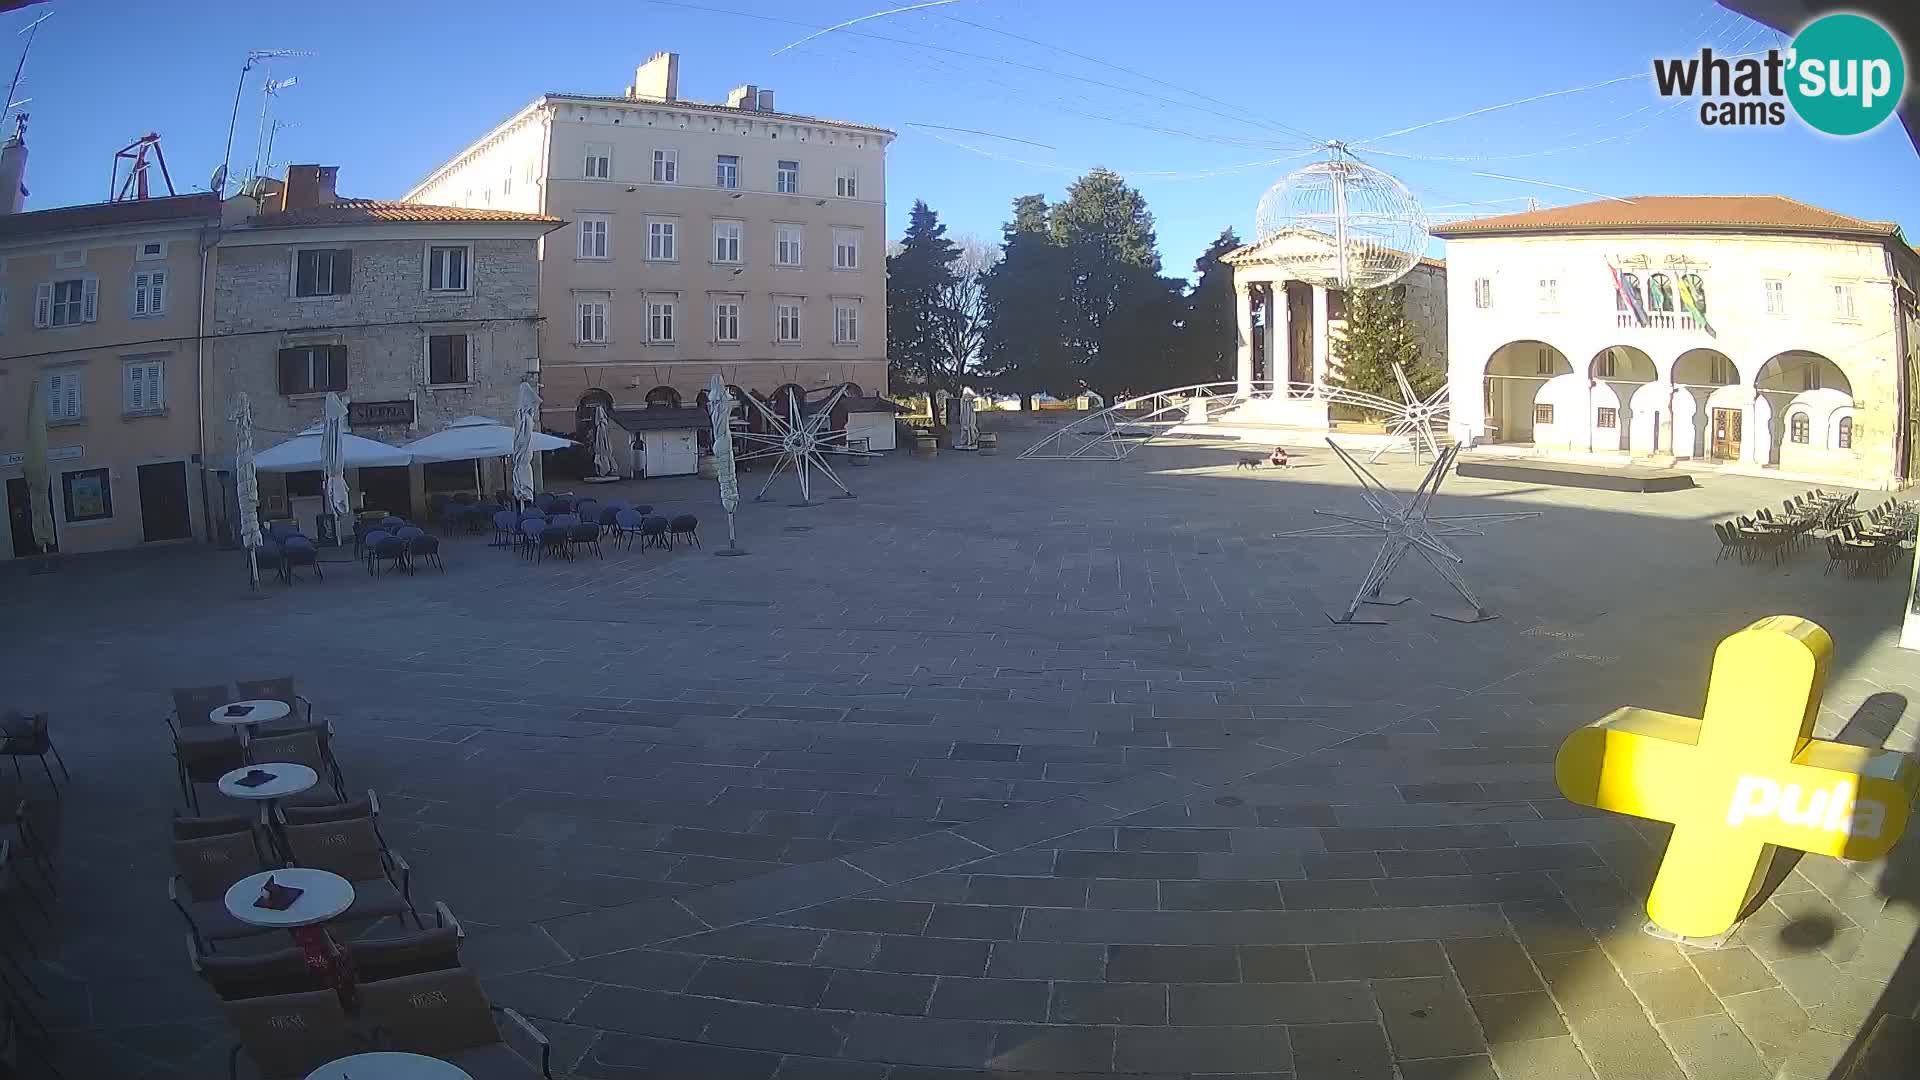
[333, 431]
[603, 443]
[246, 483]
[720, 414]
[34, 466]
[525, 414]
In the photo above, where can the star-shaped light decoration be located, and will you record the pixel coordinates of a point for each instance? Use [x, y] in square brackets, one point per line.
[1405, 526]
[801, 442]
[1414, 420]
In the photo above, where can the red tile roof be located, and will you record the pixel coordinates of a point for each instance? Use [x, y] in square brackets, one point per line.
[64, 219]
[1674, 213]
[382, 212]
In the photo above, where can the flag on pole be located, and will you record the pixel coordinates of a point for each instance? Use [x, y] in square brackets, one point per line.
[1693, 301]
[1630, 296]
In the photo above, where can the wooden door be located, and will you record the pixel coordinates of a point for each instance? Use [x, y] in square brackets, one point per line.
[20, 518]
[1726, 435]
[163, 502]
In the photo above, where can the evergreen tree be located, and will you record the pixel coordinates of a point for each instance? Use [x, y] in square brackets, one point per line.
[1210, 338]
[918, 276]
[1378, 335]
[1105, 233]
[1024, 297]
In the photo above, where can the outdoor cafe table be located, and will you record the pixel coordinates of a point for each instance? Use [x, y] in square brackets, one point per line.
[389, 1066]
[257, 711]
[324, 896]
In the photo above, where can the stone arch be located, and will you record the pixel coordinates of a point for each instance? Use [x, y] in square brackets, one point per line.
[1698, 374]
[664, 396]
[1796, 375]
[1624, 370]
[583, 412]
[1514, 375]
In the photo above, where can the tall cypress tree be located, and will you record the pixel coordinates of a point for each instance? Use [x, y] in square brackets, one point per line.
[1106, 234]
[917, 278]
[1210, 338]
[1022, 352]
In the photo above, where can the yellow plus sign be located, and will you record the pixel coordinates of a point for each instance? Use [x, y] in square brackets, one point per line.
[1744, 778]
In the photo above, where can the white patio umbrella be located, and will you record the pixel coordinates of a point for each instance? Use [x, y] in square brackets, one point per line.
[720, 414]
[246, 484]
[34, 467]
[603, 442]
[526, 415]
[302, 453]
[333, 433]
[473, 437]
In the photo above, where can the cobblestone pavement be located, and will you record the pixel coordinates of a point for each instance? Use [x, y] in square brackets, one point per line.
[1030, 767]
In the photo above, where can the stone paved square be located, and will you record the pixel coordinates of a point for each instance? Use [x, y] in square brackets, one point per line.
[1004, 767]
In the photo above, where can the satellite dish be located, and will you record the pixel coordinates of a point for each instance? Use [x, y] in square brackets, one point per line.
[1362, 228]
[218, 183]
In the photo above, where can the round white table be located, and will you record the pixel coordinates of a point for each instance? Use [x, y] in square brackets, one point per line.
[389, 1067]
[288, 779]
[258, 711]
[325, 897]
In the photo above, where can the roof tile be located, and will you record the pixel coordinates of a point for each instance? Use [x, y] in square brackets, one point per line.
[381, 212]
[1760, 213]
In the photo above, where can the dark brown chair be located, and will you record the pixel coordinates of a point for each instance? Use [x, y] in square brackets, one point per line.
[434, 949]
[193, 828]
[290, 1035]
[367, 809]
[307, 746]
[276, 689]
[27, 735]
[382, 880]
[445, 1014]
[205, 867]
[203, 751]
[236, 978]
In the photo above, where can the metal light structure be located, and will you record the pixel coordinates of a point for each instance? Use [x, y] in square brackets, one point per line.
[1115, 432]
[1369, 228]
[800, 442]
[1406, 526]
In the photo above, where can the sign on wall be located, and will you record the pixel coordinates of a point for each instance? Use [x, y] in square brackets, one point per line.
[368, 413]
[1743, 779]
[54, 453]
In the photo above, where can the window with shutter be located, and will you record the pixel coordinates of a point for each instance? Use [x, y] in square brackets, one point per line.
[447, 360]
[43, 304]
[65, 303]
[150, 293]
[313, 369]
[447, 268]
[146, 386]
[323, 272]
[63, 396]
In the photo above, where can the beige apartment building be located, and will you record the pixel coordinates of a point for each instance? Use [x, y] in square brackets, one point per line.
[100, 305]
[733, 239]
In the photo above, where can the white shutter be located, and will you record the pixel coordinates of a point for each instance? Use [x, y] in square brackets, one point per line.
[136, 373]
[89, 293]
[43, 303]
[156, 292]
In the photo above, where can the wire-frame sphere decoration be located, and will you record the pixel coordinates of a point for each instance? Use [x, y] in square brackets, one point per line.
[1371, 230]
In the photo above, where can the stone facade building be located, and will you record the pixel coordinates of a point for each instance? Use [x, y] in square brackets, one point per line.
[418, 315]
[704, 238]
[1750, 332]
[100, 308]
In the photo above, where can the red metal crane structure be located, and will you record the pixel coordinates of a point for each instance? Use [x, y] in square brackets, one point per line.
[137, 153]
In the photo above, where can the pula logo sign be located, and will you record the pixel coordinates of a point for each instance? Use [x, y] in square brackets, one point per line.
[1843, 75]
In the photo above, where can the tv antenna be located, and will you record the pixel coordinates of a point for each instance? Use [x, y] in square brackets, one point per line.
[32, 30]
[137, 153]
[263, 137]
[254, 56]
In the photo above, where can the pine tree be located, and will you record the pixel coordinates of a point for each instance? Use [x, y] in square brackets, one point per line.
[1106, 234]
[1378, 335]
[918, 276]
[1025, 293]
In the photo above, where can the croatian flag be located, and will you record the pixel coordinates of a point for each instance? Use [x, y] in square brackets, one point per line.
[1632, 296]
[1691, 303]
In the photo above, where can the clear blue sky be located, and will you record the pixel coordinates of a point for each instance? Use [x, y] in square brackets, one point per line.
[392, 89]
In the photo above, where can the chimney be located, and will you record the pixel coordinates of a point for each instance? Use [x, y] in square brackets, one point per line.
[13, 169]
[308, 186]
[658, 78]
[764, 101]
[742, 96]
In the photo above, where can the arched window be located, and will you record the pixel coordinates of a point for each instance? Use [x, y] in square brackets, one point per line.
[583, 416]
[1696, 289]
[1659, 293]
[1620, 299]
[1843, 435]
[663, 395]
[1799, 427]
[853, 390]
[789, 391]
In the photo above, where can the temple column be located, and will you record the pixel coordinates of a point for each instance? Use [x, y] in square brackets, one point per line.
[1279, 338]
[1320, 345]
[1243, 327]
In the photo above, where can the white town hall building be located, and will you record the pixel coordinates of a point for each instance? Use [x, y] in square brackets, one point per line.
[1752, 331]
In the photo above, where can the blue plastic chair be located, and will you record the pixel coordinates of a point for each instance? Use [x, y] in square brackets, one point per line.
[297, 550]
[565, 519]
[617, 504]
[420, 545]
[628, 523]
[528, 539]
[555, 540]
[380, 545]
[504, 524]
[588, 509]
[543, 501]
